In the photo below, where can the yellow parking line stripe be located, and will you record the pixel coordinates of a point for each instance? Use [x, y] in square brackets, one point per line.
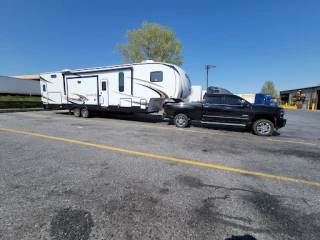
[128, 124]
[166, 128]
[287, 141]
[179, 160]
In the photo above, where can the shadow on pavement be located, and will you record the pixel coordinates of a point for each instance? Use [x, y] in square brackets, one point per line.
[244, 237]
[156, 118]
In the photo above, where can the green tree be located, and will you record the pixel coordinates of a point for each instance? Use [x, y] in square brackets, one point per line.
[152, 41]
[269, 88]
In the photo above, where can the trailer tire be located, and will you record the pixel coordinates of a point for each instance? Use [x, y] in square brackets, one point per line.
[85, 112]
[181, 120]
[263, 127]
[76, 112]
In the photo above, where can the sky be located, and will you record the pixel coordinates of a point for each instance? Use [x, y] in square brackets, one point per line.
[249, 41]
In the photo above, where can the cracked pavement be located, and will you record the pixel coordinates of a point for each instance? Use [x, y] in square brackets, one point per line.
[52, 189]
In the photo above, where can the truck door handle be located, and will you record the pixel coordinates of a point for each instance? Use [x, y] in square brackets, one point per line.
[228, 107]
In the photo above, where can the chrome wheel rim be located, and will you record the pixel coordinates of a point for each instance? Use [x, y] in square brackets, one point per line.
[76, 112]
[264, 128]
[85, 112]
[181, 120]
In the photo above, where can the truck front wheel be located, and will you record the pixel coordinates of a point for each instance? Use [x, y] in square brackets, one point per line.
[263, 127]
[181, 120]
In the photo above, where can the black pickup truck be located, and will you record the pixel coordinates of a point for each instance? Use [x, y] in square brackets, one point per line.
[227, 108]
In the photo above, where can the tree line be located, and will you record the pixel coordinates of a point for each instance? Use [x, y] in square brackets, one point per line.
[159, 43]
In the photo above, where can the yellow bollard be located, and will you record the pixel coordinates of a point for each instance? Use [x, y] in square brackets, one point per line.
[313, 105]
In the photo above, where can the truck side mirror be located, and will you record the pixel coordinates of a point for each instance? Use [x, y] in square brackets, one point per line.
[243, 103]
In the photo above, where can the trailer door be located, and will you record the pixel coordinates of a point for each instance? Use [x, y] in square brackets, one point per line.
[125, 87]
[119, 87]
[104, 93]
[44, 92]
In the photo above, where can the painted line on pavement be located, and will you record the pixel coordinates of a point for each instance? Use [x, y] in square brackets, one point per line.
[129, 124]
[167, 128]
[179, 160]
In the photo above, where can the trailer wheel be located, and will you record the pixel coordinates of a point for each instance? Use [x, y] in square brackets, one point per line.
[181, 120]
[85, 112]
[76, 112]
[263, 127]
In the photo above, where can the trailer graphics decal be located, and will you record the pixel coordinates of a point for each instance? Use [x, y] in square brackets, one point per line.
[161, 94]
[44, 80]
[47, 98]
[80, 100]
[141, 80]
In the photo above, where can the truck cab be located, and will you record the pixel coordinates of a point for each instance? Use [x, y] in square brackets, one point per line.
[227, 108]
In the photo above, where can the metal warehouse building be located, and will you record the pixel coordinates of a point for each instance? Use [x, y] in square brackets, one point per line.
[19, 86]
[302, 97]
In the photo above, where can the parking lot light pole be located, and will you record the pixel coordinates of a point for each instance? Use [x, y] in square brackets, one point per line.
[207, 67]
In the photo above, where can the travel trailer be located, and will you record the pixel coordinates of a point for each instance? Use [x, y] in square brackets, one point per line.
[139, 87]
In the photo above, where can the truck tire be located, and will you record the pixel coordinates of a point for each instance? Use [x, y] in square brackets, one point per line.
[263, 127]
[85, 112]
[181, 120]
[76, 112]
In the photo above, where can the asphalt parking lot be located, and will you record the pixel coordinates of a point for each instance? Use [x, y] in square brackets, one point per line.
[138, 177]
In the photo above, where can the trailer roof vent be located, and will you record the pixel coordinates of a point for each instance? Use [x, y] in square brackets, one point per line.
[66, 71]
[147, 61]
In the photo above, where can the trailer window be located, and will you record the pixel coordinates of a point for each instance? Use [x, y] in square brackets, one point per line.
[104, 86]
[43, 87]
[54, 76]
[121, 81]
[156, 76]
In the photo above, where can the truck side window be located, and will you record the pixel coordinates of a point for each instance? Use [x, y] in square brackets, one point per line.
[233, 100]
[156, 76]
[214, 100]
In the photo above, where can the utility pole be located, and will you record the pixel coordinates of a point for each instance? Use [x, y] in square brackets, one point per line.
[207, 67]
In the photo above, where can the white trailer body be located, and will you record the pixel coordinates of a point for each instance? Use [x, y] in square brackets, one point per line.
[140, 87]
[196, 94]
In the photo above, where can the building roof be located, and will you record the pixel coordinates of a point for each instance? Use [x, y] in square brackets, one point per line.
[28, 77]
[8, 78]
[295, 89]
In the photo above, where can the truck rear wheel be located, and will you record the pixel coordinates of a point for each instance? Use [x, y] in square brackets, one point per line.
[263, 127]
[181, 120]
[76, 112]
